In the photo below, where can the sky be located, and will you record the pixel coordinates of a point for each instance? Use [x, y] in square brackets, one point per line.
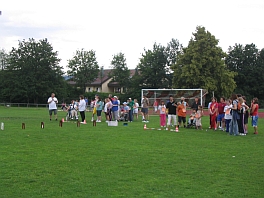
[112, 26]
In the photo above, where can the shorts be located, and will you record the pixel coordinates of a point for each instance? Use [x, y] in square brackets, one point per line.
[181, 119]
[53, 110]
[220, 117]
[99, 112]
[135, 111]
[255, 121]
[246, 119]
[144, 110]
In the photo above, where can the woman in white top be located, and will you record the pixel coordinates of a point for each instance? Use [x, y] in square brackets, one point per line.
[82, 107]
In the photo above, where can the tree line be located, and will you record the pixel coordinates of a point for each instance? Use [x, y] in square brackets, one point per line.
[30, 72]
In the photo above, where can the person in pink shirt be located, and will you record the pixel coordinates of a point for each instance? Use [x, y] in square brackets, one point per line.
[213, 112]
[221, 114]
[254, 113]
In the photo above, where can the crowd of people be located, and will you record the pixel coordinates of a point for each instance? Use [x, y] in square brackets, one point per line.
[230, 115]
[114, 110]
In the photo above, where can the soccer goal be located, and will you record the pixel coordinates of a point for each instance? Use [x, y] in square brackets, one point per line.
[164, 94]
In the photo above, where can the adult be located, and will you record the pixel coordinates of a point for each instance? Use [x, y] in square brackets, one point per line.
[195, 104]
[221, 114]
[99, 108]
[82, 107]
[144, 109]
[53, 101]
[171, 109]
[233, 128]
[254, 114]
[184, 102]
[213, 112]
[115, 108]
[131, 106]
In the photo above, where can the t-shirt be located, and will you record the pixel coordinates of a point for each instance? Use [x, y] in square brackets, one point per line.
[255, 112]
[52, 103]
[171, 108]
[136, 106]
[227, 111]
[82, 105]
[99, 105]
[73, 106]
[131, 105]
[145, 103]
[126, 108]
[195, 105]
[162, 109]
[221, 107]
[180, 110]
[115, 105]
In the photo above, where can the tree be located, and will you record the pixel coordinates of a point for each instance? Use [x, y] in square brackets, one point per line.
[153, 68]
[33, 72]
[83, 68]
[120, 72]
[248, 62]
[202, 65]
[4, 56]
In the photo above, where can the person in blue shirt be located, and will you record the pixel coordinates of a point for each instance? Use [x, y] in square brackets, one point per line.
[115, 108]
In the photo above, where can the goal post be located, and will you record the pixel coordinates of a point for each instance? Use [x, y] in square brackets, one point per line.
[164, 94]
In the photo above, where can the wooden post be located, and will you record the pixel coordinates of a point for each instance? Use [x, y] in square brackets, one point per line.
[60, 124]
[42, 125]
[78, 123]
[94, 123]
[23, 126]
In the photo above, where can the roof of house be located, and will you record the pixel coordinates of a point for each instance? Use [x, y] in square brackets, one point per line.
[103, 77]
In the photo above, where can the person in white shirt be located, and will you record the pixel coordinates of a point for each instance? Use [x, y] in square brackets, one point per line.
[82, 107]
[228, 116]
[53, 101]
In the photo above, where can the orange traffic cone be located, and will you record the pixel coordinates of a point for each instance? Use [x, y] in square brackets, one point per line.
[145, 126]
[177, 130]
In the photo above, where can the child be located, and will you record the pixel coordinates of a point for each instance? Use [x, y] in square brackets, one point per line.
[198, 117]
[162, 109]
[126, 111]
[254, 114]
[181, 111]
[228, 116]
[135, 108]
[155, 105]
[192, 118]
[241, 111]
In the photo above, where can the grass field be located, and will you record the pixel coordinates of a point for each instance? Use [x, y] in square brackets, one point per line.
[125, 161]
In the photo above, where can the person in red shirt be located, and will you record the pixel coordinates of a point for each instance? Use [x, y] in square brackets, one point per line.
[221, 114]
[254, 113]
[213, 112]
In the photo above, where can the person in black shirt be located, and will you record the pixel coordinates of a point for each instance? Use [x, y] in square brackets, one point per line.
[195, 104]
[171, 111]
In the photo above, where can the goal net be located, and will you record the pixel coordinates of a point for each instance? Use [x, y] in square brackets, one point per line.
[164, 94]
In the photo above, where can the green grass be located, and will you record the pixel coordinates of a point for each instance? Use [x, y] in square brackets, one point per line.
[124, 161]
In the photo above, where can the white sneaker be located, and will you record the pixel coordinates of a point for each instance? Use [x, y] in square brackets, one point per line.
[92, 120]
[98, 121]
